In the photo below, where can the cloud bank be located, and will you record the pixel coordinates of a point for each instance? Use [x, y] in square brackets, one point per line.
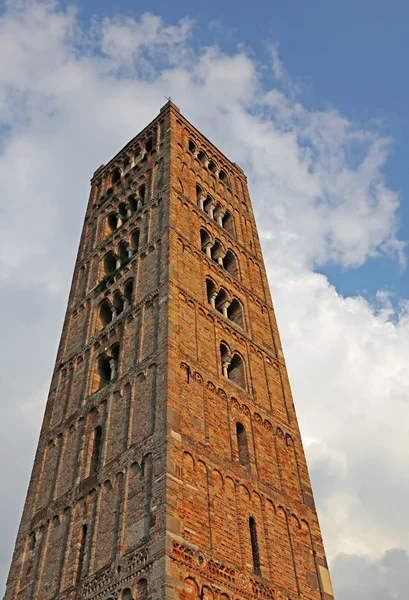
[70, 98]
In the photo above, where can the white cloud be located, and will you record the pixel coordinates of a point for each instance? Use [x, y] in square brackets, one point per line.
[69, 100]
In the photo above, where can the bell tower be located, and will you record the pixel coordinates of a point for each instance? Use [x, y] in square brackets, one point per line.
[170, 463]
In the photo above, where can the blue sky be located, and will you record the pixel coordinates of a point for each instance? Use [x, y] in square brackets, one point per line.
[311, 99]
[350, 55]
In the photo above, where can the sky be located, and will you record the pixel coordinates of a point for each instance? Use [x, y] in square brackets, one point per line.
[311, 100]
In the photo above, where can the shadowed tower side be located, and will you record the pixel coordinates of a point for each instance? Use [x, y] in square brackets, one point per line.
[170, 463]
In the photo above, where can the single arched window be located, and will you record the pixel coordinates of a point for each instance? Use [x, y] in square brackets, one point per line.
[148, 146]
[211, 166]
[104, 371]
[80, 564]
[123, 211]
[109, 263]
[116, 176]
[210, 291]
[135, 239]
[254, 546]
[205, 241]
[105, 313]
[126, 594]
[192, 147]
[201, 156]
[128, 291]
[118, 303]
[142, 192]
[223, 176]
[228, 223]
[208, 204]
[220, 302]
[112, 222]
[242, 445]
[96, 450]
[216, 252]
[235, 313]
[127, 165]
[236, 371]
[32, 541]
[230, 264]
[123, 252]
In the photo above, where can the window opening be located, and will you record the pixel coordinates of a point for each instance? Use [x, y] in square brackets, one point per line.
[112, 222]
[192, 147]
[104, 371]
[201, 156]
[230, 264]
[96, 450]
[128, 291]
[254, 546]
[135, 240]
[105, 313]
[236, 371]
[228, 223]
[116, 176]
[235, 313]
[205, 242]
[118, 303]
[242, 445]
[82, 553]
[109, 263]
[211, 166]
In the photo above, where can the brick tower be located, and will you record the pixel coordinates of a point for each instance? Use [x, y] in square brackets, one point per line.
[170, 463]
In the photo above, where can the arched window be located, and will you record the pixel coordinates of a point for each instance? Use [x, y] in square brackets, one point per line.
[123, 211]
[205, 242]
[254, 546]
[142, 192]
[235, 313]
[112, 222]
[127, 165]
[211, 166]
[135, 239]
[228, 223]
[80, 563]
[235, 371]
[242, 445]
[210, 292]
[109, 263]
[148, 146]
[114, 361]
[96, 450]
[225, 359]
[133, 203]
[217, 214]
[208, 204]
[32, 541]
[223, 176]
[192, 147]
[142, 589]
[123, 252]
[199, 199]
[126, 594]
[105, 313]
[104, 371]
[118, 303]
[128, 292]
[201, 156]
[230, 264]
[216, 252]
[116, 176]
[220, 302]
